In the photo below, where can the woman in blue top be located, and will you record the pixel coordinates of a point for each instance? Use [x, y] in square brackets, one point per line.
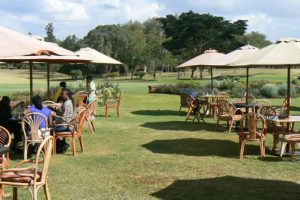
[39, 108]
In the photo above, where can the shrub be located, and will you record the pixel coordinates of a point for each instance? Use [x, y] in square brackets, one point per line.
[225, 85]
[113, 74]
[295, 81]
[76, 74]
[269, 91]
[140, 74]
[238, 90]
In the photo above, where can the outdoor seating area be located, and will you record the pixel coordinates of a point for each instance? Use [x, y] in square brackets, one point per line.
[149, 100]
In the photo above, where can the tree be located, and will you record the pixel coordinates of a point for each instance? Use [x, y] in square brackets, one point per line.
[71, 42]
[50, 33]
[154, 38]
[256, 39]
[190, 34]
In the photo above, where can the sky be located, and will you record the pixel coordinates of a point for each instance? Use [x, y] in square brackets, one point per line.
[274, 18]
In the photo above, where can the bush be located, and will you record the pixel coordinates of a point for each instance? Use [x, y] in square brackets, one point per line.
[140, 74]
[113, 74]
[225, 85]
[295, 81]
[269, 91]
[75, 74]
[238, 90]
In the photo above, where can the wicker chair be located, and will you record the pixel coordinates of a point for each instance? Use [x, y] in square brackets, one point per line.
[31, 130]
[79, 98]
[254, 133]
[52, 105]
[283, 107]
[114, 103]
[292, 140]
[251, 98]
[213, 107]
[229, 113]
[5, 141]
[90, 112]
[183, 101]
[194, 110]
[33, 176]
[276, 130]
[75, 131]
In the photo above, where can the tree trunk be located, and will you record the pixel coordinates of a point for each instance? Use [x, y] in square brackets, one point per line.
[193, 71]
[201, 72]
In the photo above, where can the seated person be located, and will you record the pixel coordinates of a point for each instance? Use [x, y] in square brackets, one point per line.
[12, 126]
[39, 108]
[91, 89]
[57, 95]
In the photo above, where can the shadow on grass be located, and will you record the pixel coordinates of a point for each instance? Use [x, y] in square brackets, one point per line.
[158, 112]
[229, 187]
[186, 126]
[200, 147]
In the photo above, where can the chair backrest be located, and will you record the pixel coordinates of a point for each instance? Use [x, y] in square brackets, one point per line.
[91, 107]
[251, 98]
[42, 158]
[52, 105]
[79, 97]
[255, 124]
[5, 138]
[79, 121]
[267, 111]
[31, 124]
[262, 102]
[184, 99]
[222, 96]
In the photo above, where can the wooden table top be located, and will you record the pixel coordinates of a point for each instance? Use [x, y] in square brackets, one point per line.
[284, 120]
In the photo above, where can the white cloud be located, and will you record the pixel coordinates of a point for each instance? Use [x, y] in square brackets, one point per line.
[65, 11]
[257, 22]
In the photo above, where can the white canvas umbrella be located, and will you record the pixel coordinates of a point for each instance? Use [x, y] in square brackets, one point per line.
[284, 53]
[240, 53]
[17, 47]
[205, 59]
[96, 57]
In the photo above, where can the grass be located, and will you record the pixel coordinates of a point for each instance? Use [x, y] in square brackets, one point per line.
[150, 153]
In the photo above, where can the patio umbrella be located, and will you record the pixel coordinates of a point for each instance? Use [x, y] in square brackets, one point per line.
[284, 53]
[17, 47]
[205, 59]
[96, 57]
[235, 55]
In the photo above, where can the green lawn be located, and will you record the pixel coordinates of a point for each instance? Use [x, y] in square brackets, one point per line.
[150, 152]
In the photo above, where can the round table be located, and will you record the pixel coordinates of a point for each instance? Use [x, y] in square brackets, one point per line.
[247, 106]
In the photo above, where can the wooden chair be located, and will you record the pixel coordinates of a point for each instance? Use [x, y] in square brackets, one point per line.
[213, 107]
[114, 103]
[79, 98]
[292, 140]
[89, 117]
[194, 110]
[229, 113]
[5, 141]
[32, 133]
[33, 176]
[253, 133]
[276, 130]
[183, 101]
[75, 131]
[52, 105]
[283, 107]
[251, 98]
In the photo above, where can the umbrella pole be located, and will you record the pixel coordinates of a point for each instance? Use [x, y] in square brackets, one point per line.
[30, 79]
[48, 80]
[288, 91]
[211, 79]
[247, 84]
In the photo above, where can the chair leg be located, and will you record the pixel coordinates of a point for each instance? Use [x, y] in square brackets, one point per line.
[73, 146]
[25, 151]
[54, 145]
[118, 111]
[106, 111]
[275, 141]
[90, 127]
[242, 148]
[293, 148]
[230, 126]
[282, 148]
[15, 193]
[46, 190]
[35, 191]
[81, 144]
[93, 126]
[261, 148]
[1, 192]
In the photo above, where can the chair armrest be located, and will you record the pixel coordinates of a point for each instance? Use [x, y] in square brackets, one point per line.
[19, 169]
